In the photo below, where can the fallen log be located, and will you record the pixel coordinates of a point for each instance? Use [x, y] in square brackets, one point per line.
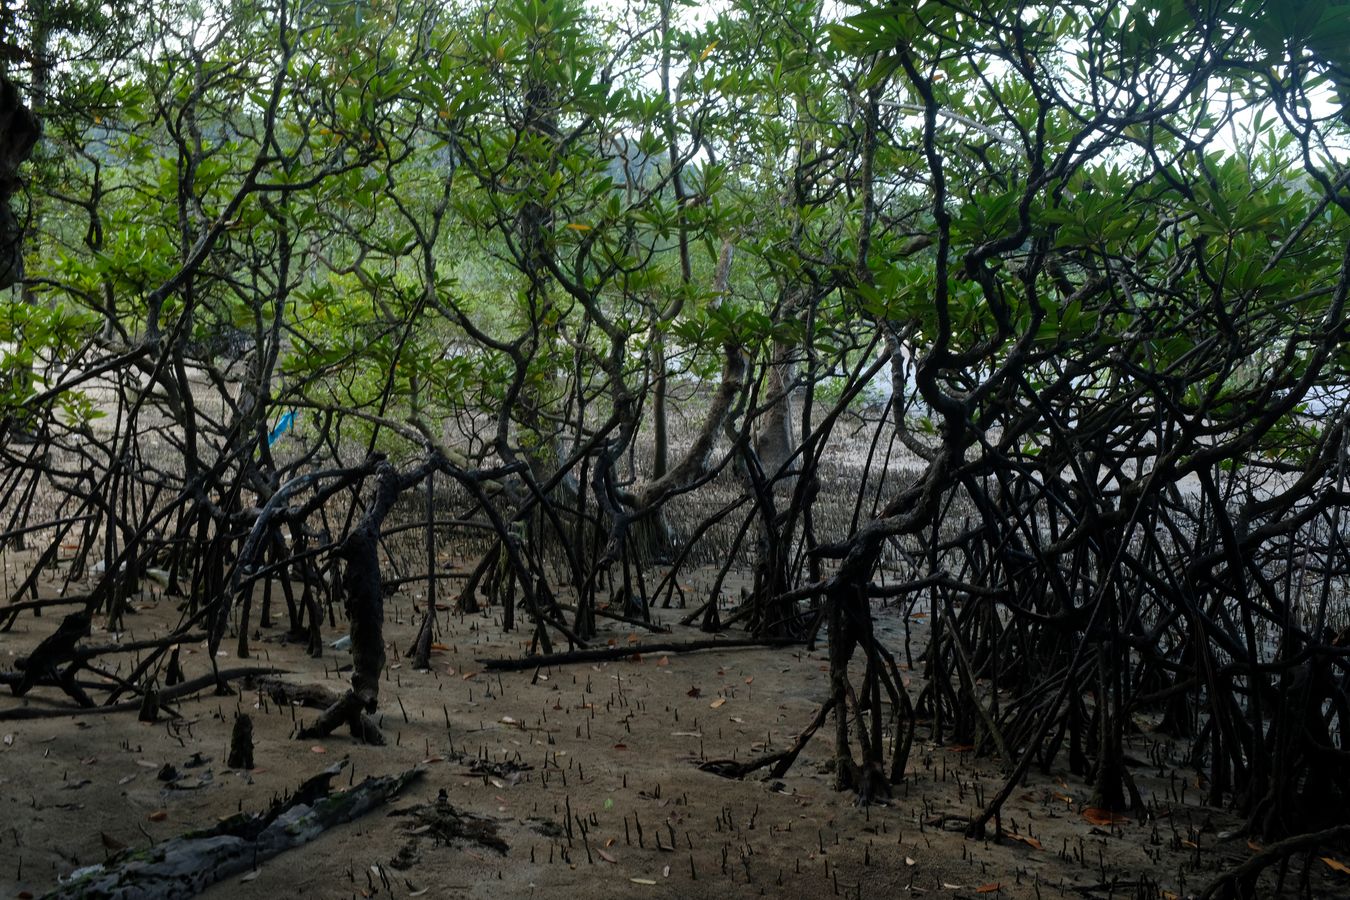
[188, 864]
[612, 653]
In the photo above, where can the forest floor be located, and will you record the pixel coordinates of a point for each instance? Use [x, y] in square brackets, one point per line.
[614, 744]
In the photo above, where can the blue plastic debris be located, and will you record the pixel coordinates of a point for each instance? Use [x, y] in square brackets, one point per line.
[283, 425]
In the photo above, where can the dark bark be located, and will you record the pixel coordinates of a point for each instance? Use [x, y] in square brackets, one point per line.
[186, 865]
[56, 649]
[241, 743]
[217, 680]
[19, 132]
[363, 599]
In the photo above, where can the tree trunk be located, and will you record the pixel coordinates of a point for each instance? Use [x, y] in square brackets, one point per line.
[363, 598]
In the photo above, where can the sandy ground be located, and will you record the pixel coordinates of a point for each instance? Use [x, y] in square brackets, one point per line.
[615, 744]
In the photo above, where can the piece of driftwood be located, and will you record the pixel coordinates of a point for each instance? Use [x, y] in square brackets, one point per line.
[188, 864]
[612, 653]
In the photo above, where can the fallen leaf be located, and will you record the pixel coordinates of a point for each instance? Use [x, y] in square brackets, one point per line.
[1253, 845]
[663, 661]
[250, 876]
[440, 646]
[158, 815]
[750, 680]
[642, 881]
[1029, 841]
[609, 858]
[9, 740]
[1098, 816]
[989, 888]
[1335, 865]
[317, 749]
[909, 860]
[718, 703]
